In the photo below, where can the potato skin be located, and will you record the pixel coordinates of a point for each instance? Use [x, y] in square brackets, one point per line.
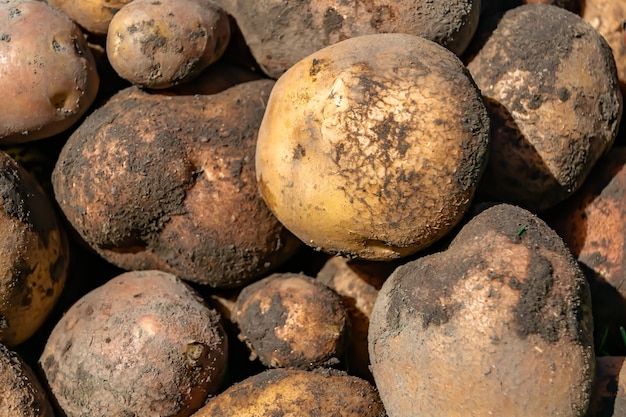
[21, 392]
[164, 43]
[547, 131]
[48, 67]
[281, 33]
[34, 254]
[507, 304]
[362, 152]
[296, 393]
[203, 220]
[144, 343]
[92, 15]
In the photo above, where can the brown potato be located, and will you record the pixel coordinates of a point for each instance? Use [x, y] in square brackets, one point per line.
[168, 182]
[497, 324]
[608, 398]
[373, 147]
[551, 89]
[292, 321]
[281, 33]
[34, 254]
[47, 71]
[143, 344]
[296, 393]
[92, 15]
[158, 44]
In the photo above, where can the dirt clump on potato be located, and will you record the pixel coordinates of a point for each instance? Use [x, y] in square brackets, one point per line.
[291, 320]
[168, 182]
[297, 393]
[551, 89]
[507, 304]
[144, 343]
[21, 393]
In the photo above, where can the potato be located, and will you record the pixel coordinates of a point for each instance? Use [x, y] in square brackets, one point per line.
[608, 17]
[281, 33]
[21, 393]
[168, 182]
[296, 393]
[47, 71]
[292, 321]
[143, 344]
[158, 44]
[34, 254]
[373, 147]
[550, 85]
[358, 283]
[497, 324]
[92, 15]
[608, 397]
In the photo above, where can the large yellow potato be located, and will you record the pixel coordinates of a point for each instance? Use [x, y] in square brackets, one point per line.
[372, 147]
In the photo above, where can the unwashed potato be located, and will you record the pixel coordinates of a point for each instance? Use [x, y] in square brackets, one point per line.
[609, 18]
[21, 393]
[608, 398]
[291, 320]
[92, 15]
[142, 344]
[167, 182]
[34, 254]
[551, 89]
[48, 74]
[281, 33]
[373, 147]
[498, 324]
[158, 44]
[296, 393]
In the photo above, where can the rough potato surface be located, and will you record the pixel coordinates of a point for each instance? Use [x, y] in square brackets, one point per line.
[143, 344]
[498, 324]
[373, 147]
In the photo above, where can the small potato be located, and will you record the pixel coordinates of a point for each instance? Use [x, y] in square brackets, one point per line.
[92, 15]
[551, 89]
[373, 147]
[47, 73]
[498, 324]
[292, 321]
[34, 254]
[21, 393]
[296, 393]
[142, 344]
[281, 33]
[157, 44]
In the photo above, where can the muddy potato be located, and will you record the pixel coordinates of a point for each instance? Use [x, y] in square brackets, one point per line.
[373, 147]
[296, 393]
[551, 89]
[168, 182]
[281, 33]
[92, 15]
[145, 337]
[21, 393]
[158, 44]
[507, 304]
[291, 320]
[34, 254]
[48, 73]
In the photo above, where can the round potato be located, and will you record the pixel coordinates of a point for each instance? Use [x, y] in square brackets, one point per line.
[498, 324]
[92, 15]
[47, 71]
[142, 344]
[296, 393]
[373, 147]
[34, 254]
[158, 44]
[551, 89]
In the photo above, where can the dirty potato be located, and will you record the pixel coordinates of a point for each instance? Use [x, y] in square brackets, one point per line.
[497, 324]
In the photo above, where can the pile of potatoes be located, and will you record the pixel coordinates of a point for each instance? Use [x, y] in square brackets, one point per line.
[258, 208]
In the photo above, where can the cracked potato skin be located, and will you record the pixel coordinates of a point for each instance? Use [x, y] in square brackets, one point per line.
[373, 147]
[498, 324]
